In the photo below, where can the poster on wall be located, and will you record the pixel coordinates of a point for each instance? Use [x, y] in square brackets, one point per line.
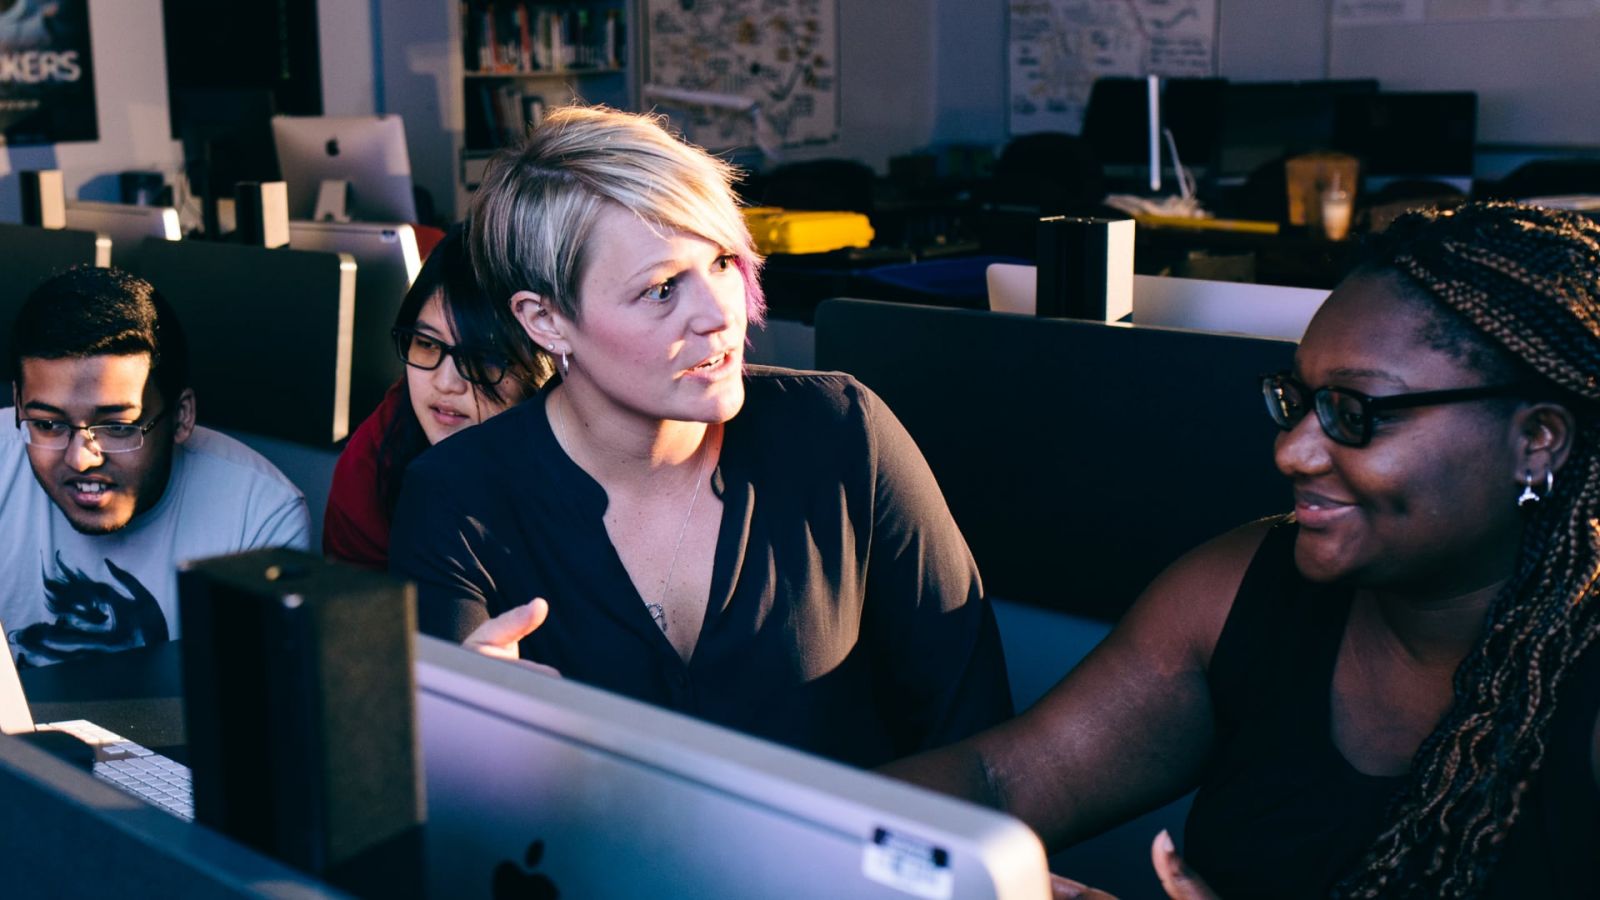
[741, 73]
[46, 72]
[1059, 47]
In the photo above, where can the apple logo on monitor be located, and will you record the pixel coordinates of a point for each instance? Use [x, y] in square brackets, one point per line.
[512, 882]
[333, 146]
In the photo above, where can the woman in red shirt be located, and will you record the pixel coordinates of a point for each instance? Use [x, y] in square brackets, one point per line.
[466, 360]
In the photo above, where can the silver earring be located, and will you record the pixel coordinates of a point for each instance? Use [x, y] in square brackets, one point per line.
[565, 366]
[1529, 496]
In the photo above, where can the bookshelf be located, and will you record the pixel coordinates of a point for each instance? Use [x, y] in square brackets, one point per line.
[469, 75]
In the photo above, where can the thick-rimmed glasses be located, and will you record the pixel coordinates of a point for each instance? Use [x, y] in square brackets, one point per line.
[110, 437]
[424, 351]
[1345, 415]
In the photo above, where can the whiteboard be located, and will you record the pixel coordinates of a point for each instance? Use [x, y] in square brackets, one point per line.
[1537, 78]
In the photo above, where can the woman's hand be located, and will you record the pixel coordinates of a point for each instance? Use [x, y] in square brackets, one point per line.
[1180, 881]
[498, 637]
[1067, 889]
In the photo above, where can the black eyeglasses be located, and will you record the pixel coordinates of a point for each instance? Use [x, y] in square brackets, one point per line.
[424, 351]
[1346, 415]
[110, 437]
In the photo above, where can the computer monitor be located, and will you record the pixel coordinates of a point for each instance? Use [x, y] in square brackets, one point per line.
[367, 152]
[33, 254]
[1225, 307]
[387, 261]
[1116, 122]
[1266, 121]
[537, 785]
[1422, 135]
[126, 225]
[270, 334]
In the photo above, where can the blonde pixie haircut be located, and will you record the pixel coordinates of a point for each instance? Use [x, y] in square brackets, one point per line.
[534, 211]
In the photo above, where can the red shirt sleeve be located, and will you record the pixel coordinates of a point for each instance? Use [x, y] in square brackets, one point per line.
[355, 528]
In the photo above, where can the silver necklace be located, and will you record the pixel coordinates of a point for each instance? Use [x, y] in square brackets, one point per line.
[657, 610]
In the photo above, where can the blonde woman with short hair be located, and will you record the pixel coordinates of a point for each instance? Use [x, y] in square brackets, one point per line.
[763, 548]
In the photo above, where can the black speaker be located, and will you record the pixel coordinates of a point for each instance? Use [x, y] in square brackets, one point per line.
[261, 213]
[44, 198]
[1085, 268]
[300, 710]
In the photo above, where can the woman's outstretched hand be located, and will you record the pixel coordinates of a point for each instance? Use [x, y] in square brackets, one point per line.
[498, 637]
[1179, 881]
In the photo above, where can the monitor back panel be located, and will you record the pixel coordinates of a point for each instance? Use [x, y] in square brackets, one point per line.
[387, 261]
[1078, 458]
[1259, 310]
[269, 334]
[126, 225]
[537, 785]
[29, 255]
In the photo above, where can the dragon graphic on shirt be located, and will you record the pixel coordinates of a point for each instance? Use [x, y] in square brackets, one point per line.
[90, 617]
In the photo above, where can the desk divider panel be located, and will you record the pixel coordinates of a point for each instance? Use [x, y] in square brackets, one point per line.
[1078, 458]
[29, 255]
[270, 334]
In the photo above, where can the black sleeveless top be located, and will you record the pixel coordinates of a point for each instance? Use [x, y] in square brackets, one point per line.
[1280, 813]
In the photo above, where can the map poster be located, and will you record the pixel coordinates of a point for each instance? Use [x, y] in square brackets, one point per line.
[742, 73]
[46, 72]
[1059, 47]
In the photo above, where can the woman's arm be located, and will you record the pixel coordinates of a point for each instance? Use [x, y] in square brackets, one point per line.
[1128, 729]
[439, 548]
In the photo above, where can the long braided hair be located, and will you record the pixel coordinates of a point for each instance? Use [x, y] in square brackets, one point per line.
[1523, 284]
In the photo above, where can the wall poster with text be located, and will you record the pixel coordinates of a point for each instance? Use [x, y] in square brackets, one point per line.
[46, 72]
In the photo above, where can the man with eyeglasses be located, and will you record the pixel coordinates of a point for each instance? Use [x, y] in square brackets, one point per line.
[124, 486]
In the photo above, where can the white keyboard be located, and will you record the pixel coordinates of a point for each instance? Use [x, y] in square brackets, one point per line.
[134, 768]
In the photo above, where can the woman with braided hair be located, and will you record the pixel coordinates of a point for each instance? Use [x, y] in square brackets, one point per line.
[1394, 691]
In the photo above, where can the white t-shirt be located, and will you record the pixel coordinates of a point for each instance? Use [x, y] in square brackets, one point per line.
[62, 592]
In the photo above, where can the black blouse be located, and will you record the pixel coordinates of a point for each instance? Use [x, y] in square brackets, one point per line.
[846, 616]
[1281, 813]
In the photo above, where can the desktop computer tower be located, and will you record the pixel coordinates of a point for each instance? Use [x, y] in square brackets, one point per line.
[300, 698]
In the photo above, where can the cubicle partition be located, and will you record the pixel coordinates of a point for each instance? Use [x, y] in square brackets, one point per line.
[29, 255]
[1079, 458]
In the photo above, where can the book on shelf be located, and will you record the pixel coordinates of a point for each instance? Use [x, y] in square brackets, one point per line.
[506, 111]
[512, 36]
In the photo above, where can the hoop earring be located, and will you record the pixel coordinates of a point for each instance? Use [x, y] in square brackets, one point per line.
[1529, 496]
[566, 366]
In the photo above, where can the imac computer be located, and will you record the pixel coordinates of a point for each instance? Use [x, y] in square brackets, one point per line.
[126, 225]
[1266, 122]
[387, 261]
[1116, 123]
[366, 153]
[538, 786]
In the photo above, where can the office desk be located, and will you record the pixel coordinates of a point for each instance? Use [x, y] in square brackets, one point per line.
[1291, 258]
[136, 693]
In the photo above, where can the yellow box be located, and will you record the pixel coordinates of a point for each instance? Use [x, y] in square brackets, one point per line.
[777, 230]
